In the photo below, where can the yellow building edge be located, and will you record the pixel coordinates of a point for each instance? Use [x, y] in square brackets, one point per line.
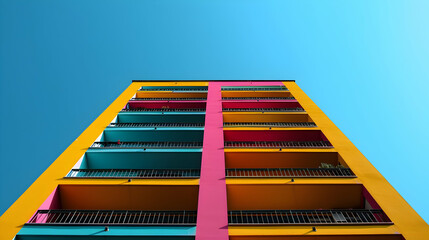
[307, 230]
[409, 223]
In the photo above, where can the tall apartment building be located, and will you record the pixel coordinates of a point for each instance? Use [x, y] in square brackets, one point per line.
[237, 160]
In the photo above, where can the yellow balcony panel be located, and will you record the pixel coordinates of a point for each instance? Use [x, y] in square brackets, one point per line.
[369, 232]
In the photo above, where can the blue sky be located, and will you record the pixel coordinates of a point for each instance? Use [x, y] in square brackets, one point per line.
[365, 63]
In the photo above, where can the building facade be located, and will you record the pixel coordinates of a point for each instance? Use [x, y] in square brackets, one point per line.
[237, 160]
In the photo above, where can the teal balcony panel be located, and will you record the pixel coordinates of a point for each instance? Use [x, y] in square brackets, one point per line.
[168, 117]
[159, 135]
[141, 160]
[49, 232]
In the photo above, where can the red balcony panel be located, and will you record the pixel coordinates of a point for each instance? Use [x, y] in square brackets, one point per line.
[166, 104]
[288, 135]
[255, 104]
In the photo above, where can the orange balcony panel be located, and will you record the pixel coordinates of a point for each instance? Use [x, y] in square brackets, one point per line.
[294, 196]
[133, 197]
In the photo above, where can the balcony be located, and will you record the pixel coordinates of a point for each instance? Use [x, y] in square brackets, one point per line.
[155, 136]
[280, 145]
[172, 94]
[162, 110]
[175, 89]
[308, 217]
[263, 110]
[136, 104]
[134, 173]
[156, 125]
[286, 165]
[261, 105]
[268, 119]
[167, 99]
[302, 204]
[146, 145]
[256, 88]
[271, 124]
[119, 205]
[139, 163]
[161, 117]
[239, 95]
[114, 217]
[288, 172]
[275, 139]
[258, 98]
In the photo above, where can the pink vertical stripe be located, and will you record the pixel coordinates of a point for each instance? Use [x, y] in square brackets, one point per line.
[212, 220]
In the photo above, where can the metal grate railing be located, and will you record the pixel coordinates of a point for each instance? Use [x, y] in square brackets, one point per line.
[289, 172]
[113, 217]
[164, 110]
[263, 110]
[177, 89]
[168, 99]
[270, 124]
[144, 145]
[134, 173]
[274, 88]
[258, 98]
[289, 144]
[154, 125]
[308, 217]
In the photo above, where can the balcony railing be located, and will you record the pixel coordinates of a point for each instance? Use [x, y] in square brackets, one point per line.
[263, 110]
[270, 124]
[164, 110]
[144, 145]
[113, 217]
[308, 217]
[307, 144]
[154, 125]
[258, 98]
[168, 99]
[288, 172]
[276, 88]
[178, 89]
[134, 173]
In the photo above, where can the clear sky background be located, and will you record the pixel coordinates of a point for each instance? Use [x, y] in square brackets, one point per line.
[365, 63]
